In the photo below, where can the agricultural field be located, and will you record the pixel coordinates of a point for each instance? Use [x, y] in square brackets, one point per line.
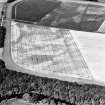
[47, 50]
[69, 15]
[40, 51]
[41, 48]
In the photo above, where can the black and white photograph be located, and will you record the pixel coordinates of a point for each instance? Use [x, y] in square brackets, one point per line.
[52, 52]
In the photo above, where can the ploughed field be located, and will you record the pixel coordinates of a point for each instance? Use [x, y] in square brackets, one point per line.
[71, 15]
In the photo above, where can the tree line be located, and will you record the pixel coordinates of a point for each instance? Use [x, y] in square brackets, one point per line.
[12, 82]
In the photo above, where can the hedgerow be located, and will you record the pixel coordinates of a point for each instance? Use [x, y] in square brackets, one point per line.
[12, 82]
